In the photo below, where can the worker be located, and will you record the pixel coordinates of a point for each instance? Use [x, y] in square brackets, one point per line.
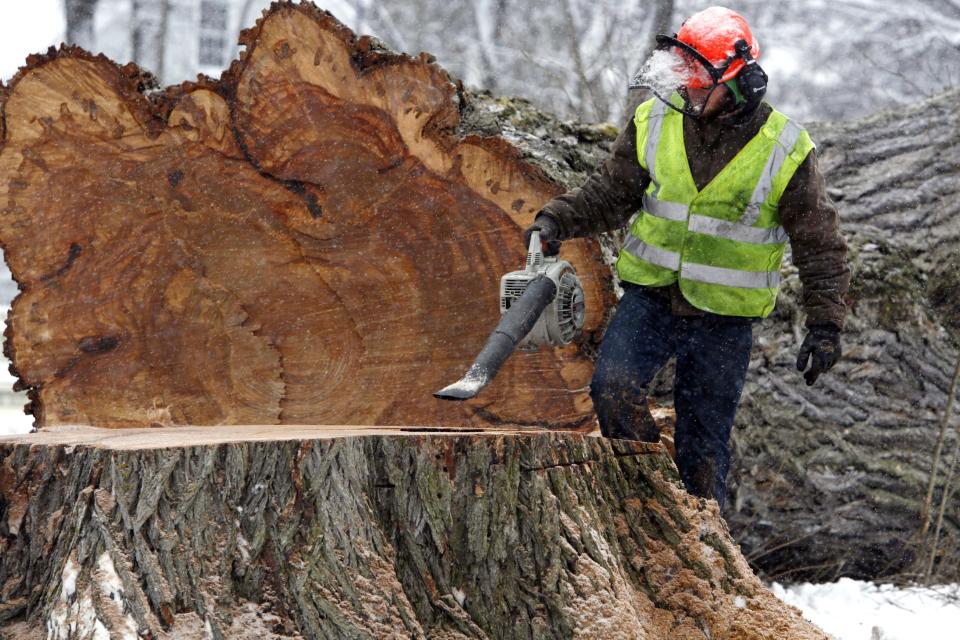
[716, 182]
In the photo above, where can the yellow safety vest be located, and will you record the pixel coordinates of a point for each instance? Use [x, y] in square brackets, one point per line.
[724, 244]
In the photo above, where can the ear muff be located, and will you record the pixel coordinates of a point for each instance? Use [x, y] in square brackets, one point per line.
[752, 79]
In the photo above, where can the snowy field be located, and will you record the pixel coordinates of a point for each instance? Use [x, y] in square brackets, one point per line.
[12, 420]
[28, 27]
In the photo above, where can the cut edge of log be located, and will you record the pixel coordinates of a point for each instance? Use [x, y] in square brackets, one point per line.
[189, 436]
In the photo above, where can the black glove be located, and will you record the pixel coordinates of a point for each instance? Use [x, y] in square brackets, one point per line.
[549, 230]
[823, 344]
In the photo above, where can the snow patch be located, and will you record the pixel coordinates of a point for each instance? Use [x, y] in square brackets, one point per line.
[68, 579]
[243, 546]
[74, 614]
[124, 626]
[28, 27]
[14, 421]
[460, 596]
[110, 584]
[854, 610]
[100, 632]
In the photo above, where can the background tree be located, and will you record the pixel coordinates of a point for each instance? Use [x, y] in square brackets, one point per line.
[79, 15]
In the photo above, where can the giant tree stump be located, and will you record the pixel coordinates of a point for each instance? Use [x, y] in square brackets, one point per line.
[257, 532]
[310, 240]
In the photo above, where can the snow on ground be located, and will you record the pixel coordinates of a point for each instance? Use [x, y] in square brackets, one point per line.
[853, 610]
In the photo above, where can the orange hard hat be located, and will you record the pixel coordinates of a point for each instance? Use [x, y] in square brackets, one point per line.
[714, 33]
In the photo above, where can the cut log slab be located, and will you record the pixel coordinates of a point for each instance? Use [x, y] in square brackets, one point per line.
[251, 532]
[312, 239]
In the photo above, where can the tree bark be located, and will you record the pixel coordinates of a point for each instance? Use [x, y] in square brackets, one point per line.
[318, 533]
[311, 240]
[79, 17]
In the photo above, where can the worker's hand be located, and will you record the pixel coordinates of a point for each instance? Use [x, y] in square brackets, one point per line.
[821, 349]
[549, 230]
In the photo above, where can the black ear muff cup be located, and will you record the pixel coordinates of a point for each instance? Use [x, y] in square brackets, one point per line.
[752, 79]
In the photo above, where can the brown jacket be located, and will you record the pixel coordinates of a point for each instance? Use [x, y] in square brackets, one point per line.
[615, 191]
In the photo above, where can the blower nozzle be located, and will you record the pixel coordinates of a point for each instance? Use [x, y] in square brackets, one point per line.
[514, 325]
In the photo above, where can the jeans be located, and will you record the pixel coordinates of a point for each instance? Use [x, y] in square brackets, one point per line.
[712, 353]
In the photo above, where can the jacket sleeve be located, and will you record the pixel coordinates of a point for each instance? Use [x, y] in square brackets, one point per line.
[819, 251]
[609, 197]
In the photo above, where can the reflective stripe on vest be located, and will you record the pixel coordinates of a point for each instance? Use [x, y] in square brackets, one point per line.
[730, 277]
[698, 237]
[657, 113]
[660, 257]
[705, 273]
[736, 231]
[788, 138]
[665, 210]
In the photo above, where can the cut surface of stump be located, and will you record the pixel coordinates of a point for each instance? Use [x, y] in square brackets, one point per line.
[309, 240]
[389, 535]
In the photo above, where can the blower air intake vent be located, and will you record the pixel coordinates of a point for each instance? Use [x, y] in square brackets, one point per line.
[513, 288]
[571, 307]
[534, 261]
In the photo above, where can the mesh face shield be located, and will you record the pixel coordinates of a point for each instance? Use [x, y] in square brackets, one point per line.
[677, 69]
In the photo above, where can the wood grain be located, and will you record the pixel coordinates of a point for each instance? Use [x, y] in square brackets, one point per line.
[309, 240]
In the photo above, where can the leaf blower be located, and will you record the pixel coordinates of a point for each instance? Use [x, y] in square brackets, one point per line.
[541, 305]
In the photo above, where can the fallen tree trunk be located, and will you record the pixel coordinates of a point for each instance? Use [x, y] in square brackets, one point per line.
[253, 532]
[830, 480]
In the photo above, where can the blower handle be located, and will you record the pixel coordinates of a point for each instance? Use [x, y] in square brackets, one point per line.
[534, 252]
[537, 252]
